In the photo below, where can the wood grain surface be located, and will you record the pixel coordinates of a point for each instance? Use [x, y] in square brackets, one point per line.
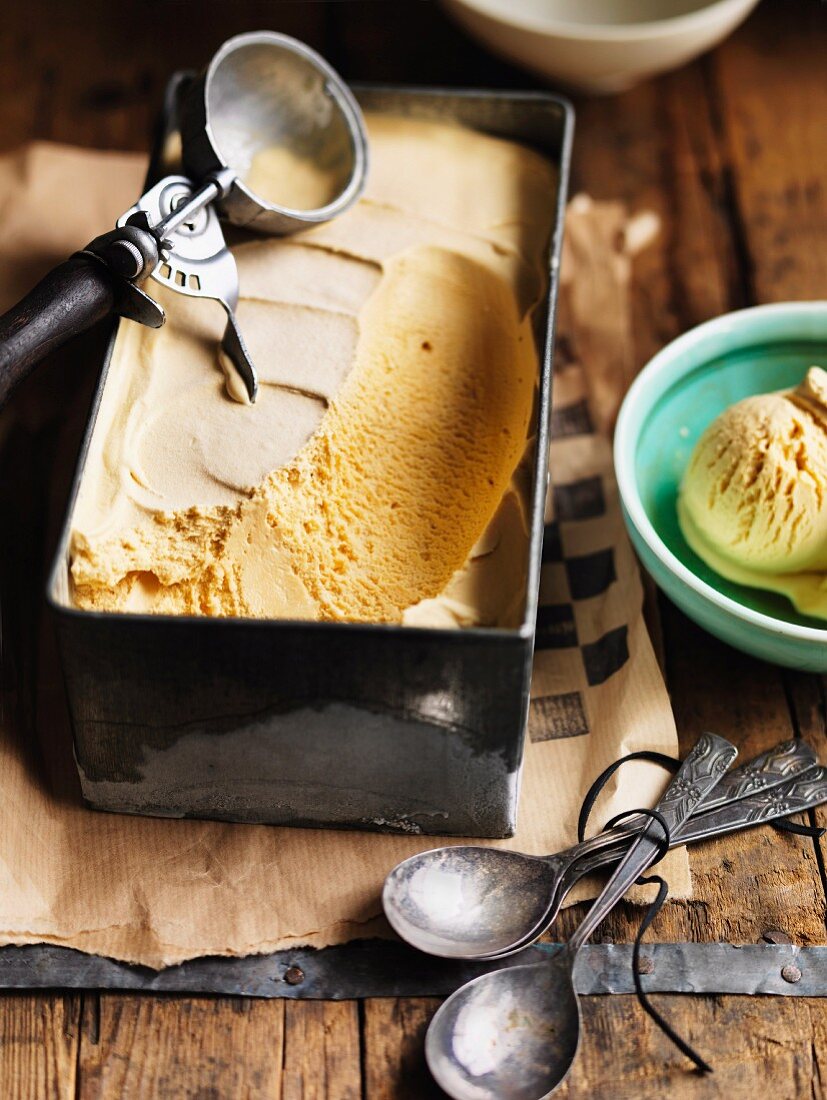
[730, 153]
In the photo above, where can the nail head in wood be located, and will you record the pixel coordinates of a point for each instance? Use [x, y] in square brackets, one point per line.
[775, 935]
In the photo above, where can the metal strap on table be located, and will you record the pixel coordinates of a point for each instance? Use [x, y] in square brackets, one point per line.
[385, 968]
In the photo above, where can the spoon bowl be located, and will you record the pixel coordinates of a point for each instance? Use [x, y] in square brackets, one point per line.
[472, 902]
[467, 901]
[512, 1034]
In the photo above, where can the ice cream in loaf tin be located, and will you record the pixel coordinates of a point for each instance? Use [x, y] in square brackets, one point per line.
[379, 475]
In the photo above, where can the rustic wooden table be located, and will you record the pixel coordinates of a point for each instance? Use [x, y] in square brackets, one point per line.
[730, 152]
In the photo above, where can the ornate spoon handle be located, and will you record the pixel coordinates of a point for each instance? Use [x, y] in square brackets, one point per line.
[698, 774]
[796, 795]
[768, 770]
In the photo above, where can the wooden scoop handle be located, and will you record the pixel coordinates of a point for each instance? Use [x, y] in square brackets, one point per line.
[69, 300]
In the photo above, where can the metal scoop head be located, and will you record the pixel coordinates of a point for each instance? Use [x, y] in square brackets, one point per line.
[274, 112]
[274, 141]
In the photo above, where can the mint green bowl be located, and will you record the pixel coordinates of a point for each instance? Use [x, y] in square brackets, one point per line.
[669, 405]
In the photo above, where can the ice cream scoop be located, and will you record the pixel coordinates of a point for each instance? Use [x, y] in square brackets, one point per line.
[753, 501]
[273, 138]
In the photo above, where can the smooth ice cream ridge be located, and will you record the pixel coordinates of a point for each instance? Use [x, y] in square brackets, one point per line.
[753, 501]
[381, 474]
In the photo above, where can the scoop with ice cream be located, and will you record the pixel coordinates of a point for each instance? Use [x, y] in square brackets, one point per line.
[753, 500]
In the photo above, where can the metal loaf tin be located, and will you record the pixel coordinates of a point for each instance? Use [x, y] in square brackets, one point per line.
[320, 724]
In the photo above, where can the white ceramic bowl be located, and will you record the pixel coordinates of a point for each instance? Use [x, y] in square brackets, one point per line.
[599, 45]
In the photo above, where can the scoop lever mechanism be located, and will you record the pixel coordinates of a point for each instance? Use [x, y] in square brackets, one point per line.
[173, 235]
[193, 255]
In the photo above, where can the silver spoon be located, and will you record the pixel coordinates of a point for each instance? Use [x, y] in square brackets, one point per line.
[513, 1034]
[468, 901]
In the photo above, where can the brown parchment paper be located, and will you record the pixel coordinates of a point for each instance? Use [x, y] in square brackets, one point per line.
[157, 891]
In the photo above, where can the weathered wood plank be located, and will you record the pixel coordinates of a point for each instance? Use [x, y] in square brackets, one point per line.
[174, 1047]
[394, 1036]
[808, 706]
[39, 1037]
[773, 96]
[657, 149]
[419, 44]
[758, 1047]
[69, 77]
[321, 1051]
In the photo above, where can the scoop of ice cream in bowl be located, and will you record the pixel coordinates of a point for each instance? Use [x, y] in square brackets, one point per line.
[753, 500]
[721, 459]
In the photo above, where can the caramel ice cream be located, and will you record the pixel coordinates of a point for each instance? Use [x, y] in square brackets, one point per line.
[381, 474]
[753, 502]
[281, 176]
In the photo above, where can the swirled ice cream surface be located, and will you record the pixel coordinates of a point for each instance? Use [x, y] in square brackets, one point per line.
[382, 473]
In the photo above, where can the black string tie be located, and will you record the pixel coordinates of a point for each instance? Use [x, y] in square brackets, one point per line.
[663, 889]
[593, 793]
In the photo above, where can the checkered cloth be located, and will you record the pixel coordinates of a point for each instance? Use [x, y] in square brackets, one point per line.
[590, 584]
